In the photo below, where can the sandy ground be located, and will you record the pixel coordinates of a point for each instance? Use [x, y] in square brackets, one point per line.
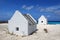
[53, 33]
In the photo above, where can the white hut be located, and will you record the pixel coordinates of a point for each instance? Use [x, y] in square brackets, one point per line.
[42, 20]
[21, 24]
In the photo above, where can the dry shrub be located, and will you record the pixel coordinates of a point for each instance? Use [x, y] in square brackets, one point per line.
[46, 31]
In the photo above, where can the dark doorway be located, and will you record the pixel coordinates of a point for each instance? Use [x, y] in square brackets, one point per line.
[41, 21]
[17, 28]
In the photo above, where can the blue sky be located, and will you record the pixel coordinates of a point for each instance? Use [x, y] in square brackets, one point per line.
[48, 8]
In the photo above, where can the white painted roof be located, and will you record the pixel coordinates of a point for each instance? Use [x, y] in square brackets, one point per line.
[26, 16]
[42, 17]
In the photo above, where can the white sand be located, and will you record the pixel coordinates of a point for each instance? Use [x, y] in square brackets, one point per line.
[53, 33]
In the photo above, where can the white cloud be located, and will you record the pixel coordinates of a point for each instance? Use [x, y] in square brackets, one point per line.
[48, 16]
[58, 11]
[27, 7]
[54, 9]
[24, 6]
[42, 10]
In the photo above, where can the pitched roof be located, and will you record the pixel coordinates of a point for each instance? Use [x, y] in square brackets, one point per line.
[26, 16]
[42, 16]
[32, 18]
[29, 18]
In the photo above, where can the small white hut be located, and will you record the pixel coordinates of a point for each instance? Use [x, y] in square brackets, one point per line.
[21, 24]
[42, 20]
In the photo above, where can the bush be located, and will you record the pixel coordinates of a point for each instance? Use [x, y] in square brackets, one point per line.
[46, 31]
